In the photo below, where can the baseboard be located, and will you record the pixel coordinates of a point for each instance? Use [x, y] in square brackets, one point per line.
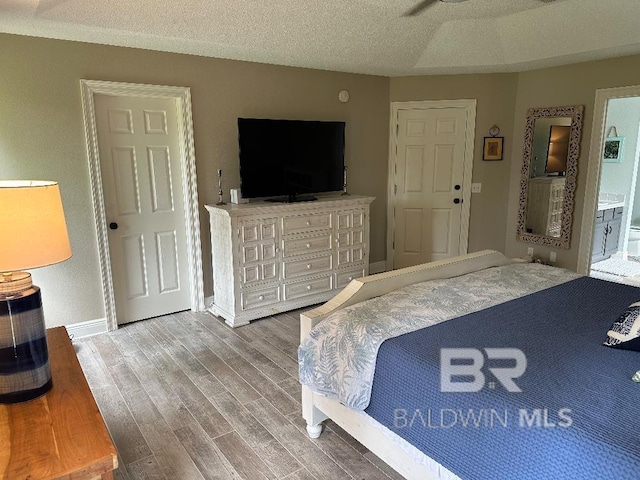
[88, 328]
[377, 267]
[208, 302]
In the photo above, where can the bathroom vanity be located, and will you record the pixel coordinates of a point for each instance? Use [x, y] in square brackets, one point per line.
[606, 232]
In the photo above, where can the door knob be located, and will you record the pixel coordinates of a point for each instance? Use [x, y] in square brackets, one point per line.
[457, 200]
[113, 226]
[457, 187]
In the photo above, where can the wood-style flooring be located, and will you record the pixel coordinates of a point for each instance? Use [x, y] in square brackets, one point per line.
[187, 398]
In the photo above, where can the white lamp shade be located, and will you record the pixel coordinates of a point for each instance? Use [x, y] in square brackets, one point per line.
[33, 229]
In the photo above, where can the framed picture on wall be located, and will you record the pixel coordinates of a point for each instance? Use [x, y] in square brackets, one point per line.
[613, 149]
[492, 148]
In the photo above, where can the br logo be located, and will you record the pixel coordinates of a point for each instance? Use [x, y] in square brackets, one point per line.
[469, 363]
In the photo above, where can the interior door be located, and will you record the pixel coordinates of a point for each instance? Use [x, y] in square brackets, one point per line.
[142, 187]
[428, 181]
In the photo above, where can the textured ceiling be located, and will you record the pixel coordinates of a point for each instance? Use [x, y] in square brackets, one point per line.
[362, 36]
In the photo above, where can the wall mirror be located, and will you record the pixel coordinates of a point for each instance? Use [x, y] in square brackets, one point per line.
[549, 170]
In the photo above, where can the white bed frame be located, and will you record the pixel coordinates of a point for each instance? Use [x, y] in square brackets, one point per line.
[317, 408]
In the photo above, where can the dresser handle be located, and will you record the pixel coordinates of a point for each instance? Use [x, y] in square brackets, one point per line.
[308, 223]
[309, 266]
[308, 287]
[261, 297]
[350, 278]
[308, 245]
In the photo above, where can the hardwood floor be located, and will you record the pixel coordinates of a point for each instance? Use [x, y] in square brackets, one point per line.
[187, 398]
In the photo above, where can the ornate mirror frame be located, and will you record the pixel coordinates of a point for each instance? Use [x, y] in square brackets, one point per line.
[575, 113]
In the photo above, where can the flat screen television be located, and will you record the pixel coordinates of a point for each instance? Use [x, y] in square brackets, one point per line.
[289, 160]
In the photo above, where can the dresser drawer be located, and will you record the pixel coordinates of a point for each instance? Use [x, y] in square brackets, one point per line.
[297, 268]
[308, 287]
[343, 278]
[260, 297]
[306, 223]
[299, 246]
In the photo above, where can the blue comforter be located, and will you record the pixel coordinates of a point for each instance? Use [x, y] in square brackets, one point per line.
[577, 417]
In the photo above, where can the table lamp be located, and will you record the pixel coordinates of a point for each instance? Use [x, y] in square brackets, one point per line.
[33, 234]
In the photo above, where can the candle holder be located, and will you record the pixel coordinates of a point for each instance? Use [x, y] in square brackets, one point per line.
[344, 182]
[220, 200]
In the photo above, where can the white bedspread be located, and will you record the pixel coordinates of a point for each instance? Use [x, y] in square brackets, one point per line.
[338, 358]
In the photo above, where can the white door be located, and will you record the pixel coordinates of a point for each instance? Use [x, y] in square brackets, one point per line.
[141, 179]
[429, 175]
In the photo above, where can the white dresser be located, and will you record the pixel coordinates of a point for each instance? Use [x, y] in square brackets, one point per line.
[273, 257]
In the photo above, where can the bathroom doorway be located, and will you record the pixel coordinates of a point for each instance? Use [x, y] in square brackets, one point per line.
[616, 238]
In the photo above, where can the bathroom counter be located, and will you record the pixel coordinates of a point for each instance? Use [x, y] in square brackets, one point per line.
[610, 200]
[607, 205]
[606, 235]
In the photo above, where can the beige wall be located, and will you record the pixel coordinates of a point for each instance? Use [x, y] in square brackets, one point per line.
[41, 136]
[496, 96]
[504, 99]
[567, 85]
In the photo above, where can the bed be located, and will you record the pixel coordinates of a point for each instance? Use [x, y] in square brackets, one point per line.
[389, 359]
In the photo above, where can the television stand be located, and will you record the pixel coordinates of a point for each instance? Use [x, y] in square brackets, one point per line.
[293, 199]
[274, 257]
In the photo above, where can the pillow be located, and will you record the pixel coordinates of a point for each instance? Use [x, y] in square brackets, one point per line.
[625, 331]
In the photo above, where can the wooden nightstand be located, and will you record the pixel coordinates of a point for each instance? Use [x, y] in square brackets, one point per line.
[61, 434]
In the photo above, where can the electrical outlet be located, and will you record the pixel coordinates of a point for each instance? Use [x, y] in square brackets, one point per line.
[552, 257]
[476, 187]
[530, 251]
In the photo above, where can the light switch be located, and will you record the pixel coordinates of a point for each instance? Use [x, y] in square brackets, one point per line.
[476, 187]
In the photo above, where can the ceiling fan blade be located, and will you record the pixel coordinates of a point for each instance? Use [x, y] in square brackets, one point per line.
[424, 4]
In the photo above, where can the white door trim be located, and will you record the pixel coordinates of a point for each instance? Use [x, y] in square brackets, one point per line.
[594, 166]
[182, 97]
[470, 106]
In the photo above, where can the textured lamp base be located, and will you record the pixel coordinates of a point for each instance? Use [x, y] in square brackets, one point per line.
[24, 358]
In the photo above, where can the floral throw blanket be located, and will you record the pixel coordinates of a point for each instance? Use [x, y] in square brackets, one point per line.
[338, 358]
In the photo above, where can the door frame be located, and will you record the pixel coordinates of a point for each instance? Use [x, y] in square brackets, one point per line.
[182, 98]
[470, 106]
[594, 166]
